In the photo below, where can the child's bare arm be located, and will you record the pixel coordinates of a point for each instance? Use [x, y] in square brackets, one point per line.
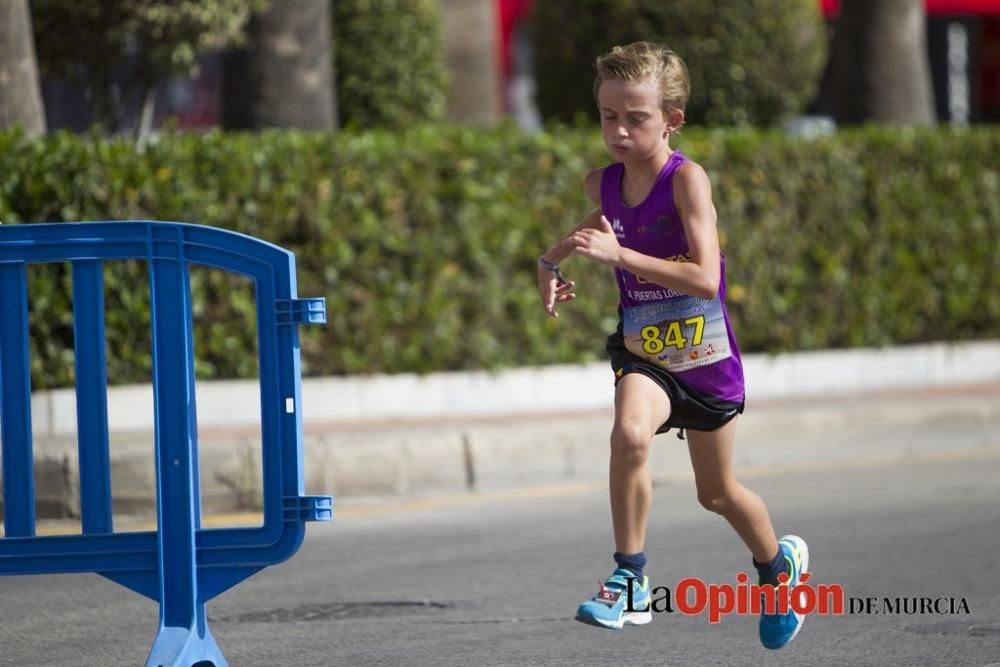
[552, 287]
[564, 248]
[591, 188]
[701, 275]
[698, 277]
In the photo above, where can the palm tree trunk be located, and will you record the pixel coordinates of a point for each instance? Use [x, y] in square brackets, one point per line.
[283, 77]
[20, 94]
[881, 66]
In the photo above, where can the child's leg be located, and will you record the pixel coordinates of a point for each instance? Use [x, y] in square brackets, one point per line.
[712, 458]
[718, 491]
[641, 407]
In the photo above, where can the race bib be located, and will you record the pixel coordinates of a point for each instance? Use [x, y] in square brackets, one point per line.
[678, 334]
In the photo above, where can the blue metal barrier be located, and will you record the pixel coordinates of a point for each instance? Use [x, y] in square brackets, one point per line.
[181, 565]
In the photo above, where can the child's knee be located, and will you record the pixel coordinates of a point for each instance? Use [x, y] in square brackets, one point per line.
[630, 441]
[719, 502]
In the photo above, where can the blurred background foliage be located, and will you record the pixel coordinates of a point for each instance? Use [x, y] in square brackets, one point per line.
[423, 235]
[424, 241]
[389, 62]
[388, 56]
[751, 62]
[88, 41]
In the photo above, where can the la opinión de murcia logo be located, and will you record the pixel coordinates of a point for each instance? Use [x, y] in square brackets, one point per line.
[694, 597]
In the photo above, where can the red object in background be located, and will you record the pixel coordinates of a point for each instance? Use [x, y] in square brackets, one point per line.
[988, 50]
[509, 12]
[974, 7]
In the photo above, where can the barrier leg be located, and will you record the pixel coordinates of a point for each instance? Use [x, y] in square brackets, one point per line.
[186, 647]
[183, 639]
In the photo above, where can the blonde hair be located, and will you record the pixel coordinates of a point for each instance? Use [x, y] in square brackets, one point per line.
[645, 61]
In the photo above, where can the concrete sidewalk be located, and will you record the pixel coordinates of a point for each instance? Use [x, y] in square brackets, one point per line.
[800, 412]
[426, 457]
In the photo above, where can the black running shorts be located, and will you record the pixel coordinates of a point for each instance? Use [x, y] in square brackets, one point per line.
[689, 409]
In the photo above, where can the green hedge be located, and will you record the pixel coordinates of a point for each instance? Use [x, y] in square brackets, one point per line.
[752, 62]
[424, 242]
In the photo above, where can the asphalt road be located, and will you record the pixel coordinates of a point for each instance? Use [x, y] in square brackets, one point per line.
[495, 579]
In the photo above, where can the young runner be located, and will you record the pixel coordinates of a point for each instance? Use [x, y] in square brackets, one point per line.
[674, 356]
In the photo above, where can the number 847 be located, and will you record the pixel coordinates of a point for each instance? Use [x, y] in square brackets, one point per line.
[656, 339]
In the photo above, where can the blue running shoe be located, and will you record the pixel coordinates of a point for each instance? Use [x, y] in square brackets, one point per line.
[776, 630]
[609, 608]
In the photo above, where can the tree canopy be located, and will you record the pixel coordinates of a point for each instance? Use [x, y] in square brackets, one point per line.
[90, 41]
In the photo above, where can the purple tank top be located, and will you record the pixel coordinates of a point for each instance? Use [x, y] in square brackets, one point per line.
[685, 335]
